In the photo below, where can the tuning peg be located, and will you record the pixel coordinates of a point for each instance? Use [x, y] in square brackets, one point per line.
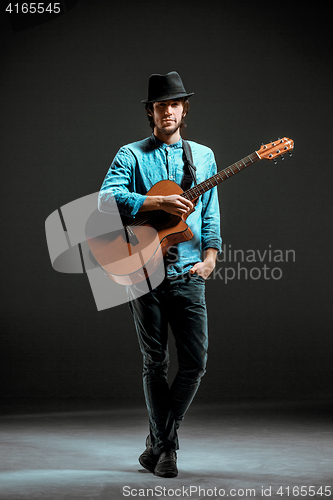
[290, 153]
[275, 161]
[282, 157]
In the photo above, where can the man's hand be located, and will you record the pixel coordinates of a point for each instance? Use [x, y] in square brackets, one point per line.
[174, 204]
[205, 268]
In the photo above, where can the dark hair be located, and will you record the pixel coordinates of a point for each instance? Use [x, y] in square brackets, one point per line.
[150, 105]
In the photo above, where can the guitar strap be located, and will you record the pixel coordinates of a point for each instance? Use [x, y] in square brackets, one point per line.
[189, 161]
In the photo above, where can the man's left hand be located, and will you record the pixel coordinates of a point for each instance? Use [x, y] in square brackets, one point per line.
[205, 268]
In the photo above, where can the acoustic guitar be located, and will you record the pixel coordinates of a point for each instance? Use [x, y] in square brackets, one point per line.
[130, 250]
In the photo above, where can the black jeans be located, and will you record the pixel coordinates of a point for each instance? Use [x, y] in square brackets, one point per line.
[180, 303]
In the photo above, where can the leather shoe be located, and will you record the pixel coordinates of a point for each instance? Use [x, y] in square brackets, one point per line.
[148, 459]
[167, 465]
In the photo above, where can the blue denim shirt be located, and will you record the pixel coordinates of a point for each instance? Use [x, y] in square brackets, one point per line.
[138, 166]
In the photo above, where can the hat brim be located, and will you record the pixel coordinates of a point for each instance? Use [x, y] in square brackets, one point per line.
[167, 97]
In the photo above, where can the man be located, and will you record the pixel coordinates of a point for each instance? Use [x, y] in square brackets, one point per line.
[180, 300]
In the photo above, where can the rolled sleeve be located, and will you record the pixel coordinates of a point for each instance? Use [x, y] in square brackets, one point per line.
[117, 191]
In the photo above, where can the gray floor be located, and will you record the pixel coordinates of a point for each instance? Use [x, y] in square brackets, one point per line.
[233, 449]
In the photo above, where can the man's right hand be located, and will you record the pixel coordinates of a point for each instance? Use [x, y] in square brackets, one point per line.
[174, 204]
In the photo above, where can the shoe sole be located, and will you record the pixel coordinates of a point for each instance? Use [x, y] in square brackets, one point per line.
[166, 474]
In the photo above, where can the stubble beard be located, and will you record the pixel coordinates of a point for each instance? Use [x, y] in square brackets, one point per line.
[168, 131]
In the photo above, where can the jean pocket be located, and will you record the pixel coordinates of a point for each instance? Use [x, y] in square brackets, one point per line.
[198, 277]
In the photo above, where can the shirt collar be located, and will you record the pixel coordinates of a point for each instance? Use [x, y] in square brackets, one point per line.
[162, 145]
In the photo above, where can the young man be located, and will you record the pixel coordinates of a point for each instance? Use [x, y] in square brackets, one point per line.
[180, 300]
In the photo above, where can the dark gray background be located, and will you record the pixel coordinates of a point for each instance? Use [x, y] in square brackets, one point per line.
[70, 97]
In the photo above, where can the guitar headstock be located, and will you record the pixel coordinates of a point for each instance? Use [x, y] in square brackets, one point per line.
[276, 148]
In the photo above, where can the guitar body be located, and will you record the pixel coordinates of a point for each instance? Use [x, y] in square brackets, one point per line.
[130, 250]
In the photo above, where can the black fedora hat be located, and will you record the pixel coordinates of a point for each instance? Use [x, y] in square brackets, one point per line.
[165, 87]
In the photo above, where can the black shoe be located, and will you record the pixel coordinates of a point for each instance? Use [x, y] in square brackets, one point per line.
[148, 459]
[167, 465]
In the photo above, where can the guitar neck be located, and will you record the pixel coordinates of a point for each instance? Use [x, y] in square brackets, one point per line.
[199, 189]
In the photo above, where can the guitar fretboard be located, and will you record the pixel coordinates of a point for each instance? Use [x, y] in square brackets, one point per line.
[194, 192]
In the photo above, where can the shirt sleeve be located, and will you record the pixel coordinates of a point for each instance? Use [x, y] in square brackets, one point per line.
[210, 229]
[117, 191]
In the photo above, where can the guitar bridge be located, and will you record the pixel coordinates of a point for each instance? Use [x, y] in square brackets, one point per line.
[131, 236]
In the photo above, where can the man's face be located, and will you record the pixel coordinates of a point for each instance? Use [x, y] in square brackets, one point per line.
[168, 115]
